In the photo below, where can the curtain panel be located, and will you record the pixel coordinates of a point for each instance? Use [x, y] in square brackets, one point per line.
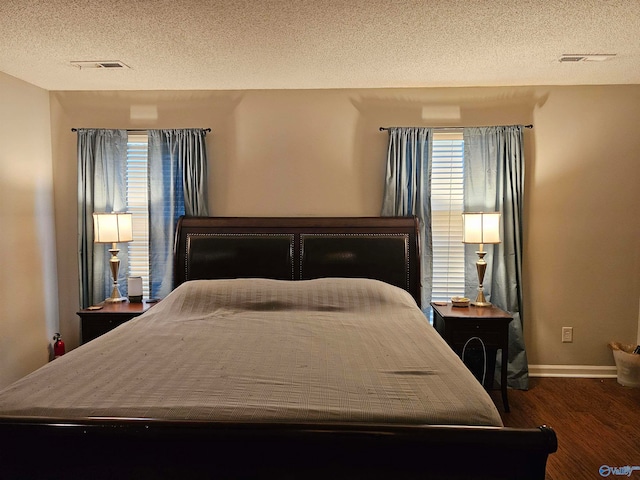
[177, 162]
[102, 164]
[494, 181]
[177, 186]
[407, 190]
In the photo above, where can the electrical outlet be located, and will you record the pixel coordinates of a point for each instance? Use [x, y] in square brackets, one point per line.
[567, 334]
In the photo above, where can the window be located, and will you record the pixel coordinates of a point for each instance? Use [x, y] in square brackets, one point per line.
[138, 206]
[447, 205]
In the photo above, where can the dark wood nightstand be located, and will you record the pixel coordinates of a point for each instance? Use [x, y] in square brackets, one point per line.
[95, 322]
[490, 324]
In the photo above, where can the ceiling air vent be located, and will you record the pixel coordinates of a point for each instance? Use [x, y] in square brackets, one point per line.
[589, 57]
[111, 64]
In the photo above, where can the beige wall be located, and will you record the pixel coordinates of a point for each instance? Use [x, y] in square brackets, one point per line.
[320, 153]
[28, 293]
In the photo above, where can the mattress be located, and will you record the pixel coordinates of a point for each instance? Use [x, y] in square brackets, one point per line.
[330, 350]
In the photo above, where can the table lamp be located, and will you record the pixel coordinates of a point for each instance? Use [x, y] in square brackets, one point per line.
[480, 228]
[113, 228]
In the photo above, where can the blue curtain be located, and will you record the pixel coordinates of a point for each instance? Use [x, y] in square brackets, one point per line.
[177, 186]
[102, 160]
[494, 181]
[407, 190]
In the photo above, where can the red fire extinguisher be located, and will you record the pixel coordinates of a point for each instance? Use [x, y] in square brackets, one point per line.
[58, 346]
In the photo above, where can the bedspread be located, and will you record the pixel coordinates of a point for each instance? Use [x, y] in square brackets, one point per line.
[255, 350]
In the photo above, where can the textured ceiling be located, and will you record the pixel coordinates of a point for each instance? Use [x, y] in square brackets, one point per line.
[301, 44]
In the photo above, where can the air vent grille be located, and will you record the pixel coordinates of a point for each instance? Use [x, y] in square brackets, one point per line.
[110, 64]
[589, 57]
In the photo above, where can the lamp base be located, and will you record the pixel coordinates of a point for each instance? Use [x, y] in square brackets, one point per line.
[116, 296]
[481, 266]
[481, 301]
[481, 304]
[115, 300]
[114, 264]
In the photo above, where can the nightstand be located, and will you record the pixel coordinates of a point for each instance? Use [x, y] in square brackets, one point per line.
[490, 324]
[95, 322]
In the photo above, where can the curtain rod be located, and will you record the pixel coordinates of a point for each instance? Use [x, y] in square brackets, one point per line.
[444, 128]
[142, 129]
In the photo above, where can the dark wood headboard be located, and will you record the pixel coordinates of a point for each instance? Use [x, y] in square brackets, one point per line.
[299, 248]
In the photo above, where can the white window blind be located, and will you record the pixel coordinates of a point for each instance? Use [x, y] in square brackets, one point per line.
[138, 206]
[447, 204]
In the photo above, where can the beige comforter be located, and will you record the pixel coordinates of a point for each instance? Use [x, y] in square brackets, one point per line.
[256, 350]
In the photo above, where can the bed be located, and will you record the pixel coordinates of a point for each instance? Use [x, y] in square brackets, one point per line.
[289, 348]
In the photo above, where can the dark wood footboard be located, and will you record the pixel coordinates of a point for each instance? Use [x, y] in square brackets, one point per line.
[138, 449]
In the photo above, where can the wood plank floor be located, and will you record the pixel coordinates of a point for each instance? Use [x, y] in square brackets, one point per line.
[597, 422]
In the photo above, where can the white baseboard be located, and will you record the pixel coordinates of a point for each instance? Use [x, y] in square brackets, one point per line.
[573, 371]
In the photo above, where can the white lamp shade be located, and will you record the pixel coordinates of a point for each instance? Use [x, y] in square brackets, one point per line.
[481, 227]
[112, 227]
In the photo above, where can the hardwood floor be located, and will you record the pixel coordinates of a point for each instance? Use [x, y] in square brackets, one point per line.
[597, 422]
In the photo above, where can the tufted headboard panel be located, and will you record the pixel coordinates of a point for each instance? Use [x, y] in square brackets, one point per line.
[299, 248]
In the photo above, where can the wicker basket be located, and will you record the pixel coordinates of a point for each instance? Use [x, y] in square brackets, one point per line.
[627, 364]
